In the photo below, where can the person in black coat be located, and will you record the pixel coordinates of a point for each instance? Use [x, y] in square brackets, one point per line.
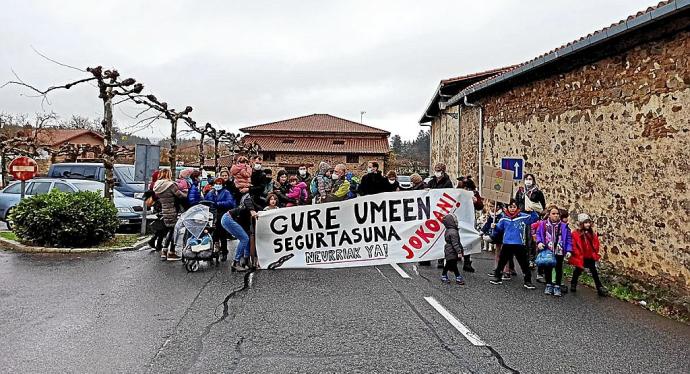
[373, 181]
[392, 184]
[440, 179]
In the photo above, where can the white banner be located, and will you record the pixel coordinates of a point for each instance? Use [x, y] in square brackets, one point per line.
[393, 227]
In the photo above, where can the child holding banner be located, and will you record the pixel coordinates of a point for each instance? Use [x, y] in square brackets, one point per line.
[453, 249]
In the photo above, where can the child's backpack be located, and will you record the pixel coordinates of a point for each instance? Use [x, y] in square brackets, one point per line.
[313, 186]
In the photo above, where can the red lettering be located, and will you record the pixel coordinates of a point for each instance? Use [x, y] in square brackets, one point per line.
[426, 236]
[444, 205]
[433, 225]
[415, 242]
[407, 249]
[439, 216]
[445, 194]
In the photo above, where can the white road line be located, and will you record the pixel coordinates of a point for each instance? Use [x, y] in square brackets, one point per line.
[472, 337]
[400, 270]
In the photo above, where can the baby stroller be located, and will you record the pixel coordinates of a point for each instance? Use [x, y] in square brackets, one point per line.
[193, 236]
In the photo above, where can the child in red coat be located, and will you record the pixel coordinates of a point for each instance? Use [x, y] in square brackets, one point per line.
[585, 253]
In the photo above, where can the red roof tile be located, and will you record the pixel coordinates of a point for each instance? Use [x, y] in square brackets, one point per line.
[53, 136]
[371, 145]
[488, 73]
[316, 123]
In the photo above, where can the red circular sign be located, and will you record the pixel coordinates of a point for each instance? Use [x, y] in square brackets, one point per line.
[23, 168]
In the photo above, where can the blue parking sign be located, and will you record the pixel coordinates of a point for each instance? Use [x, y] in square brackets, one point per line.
[516, 165]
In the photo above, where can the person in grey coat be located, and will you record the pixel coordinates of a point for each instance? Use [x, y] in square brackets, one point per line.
[166, 192]
[453, 249]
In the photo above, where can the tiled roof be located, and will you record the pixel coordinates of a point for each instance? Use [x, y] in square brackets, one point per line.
[650, 15]
[316, 123]
[370, 145]
[452, 86]
[53, 136]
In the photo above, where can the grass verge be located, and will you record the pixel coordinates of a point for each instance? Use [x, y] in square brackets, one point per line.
[119, 241]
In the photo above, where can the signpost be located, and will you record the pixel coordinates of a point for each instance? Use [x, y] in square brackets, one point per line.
[146, 161]
[514, 164]
[22, 169]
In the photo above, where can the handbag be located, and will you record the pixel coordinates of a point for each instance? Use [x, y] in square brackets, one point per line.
[545, 258]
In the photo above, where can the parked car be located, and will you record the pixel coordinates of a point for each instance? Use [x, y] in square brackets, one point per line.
[405, 182]
[128, 209]
[123, 174]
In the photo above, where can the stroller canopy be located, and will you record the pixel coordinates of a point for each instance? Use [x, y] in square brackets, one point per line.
[195, 219]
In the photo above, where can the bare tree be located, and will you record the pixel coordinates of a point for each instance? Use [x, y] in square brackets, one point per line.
[110, 86]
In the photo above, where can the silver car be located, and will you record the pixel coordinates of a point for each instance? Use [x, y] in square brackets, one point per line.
[128, 209]
[405, 182]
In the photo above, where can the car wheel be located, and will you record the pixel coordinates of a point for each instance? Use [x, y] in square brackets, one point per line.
[7, 219]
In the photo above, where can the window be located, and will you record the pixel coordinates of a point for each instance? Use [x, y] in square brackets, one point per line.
[352, 159]
[62, 187]
[13, 188]
[75, 171]
[270, 156]
[288, 141]
[338, 142]
[38, 188]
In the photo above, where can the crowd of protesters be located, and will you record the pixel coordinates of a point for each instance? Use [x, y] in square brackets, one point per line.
[525, 230]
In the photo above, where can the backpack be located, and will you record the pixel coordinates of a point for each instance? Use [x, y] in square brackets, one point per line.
[313, 186]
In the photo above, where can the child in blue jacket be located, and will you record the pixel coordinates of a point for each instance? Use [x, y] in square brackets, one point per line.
[222, 202]
[554, 235]
[513, 232]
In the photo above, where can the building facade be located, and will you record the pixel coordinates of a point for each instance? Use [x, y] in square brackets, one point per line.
[604, 124]
[287, 144]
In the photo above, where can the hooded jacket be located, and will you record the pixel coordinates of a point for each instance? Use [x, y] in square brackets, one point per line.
[557, 234]
[298, 192]
[241, 174]
[323, 183]
[167, 191]
[585, 246]
[514, 230]
[373, 183]
[453, 248]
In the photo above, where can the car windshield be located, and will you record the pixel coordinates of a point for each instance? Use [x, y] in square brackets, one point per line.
[126, 173]
[94, 187]
[403, 178]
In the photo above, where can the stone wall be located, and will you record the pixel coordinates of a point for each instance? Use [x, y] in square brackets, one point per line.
[444, 141]
[469, 140]
[610, 138]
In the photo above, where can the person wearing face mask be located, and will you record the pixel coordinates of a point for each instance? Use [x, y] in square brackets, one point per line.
[392, 184]
[341, 186]
[513, 231]
[440, 179]
[258, 181]
[241, 173]
[230, 184]
[222, 202]
[585, 253]
[530, 198]
[373, 181]
[321, 185]
[303, 175]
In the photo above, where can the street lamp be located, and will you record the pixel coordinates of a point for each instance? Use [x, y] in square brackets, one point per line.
[361, 116]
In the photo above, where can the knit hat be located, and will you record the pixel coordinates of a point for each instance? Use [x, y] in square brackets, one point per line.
[583, 217]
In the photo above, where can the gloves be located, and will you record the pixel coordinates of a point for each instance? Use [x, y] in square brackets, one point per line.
[568, 255]
[540, 246]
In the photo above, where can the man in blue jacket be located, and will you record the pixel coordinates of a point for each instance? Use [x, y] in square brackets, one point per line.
[513, 231]
[222, 202]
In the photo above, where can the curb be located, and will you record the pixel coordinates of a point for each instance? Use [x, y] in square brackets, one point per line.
[11, 245]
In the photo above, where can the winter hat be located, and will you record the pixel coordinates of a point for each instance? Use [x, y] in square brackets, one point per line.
[583, 217]
[440, 166]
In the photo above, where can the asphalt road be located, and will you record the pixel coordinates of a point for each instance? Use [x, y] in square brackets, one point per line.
[130, 312]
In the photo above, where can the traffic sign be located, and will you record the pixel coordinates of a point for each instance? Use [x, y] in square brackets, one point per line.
[514, 164]
[23, 168]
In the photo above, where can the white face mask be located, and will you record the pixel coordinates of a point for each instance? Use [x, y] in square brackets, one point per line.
[438, 174]
[302, 172]
[257, 166]
[391, 181]
[528, 183]
[335, 176]
[369, 170]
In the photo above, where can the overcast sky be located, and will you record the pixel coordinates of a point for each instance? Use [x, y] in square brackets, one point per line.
[250, 62]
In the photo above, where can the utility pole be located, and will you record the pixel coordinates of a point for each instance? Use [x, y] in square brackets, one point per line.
[361, 116]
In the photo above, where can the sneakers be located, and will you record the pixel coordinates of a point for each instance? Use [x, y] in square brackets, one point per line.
[540, 278]
[172, 256]
[496, 281]
[549, 290]
[237, 267]
[468, 268]
[529, 286]
[164, 255]
[444, 278]
[460, 280]
[557, 291]
[513, 272]
[224, 256]
[506, 276]
[492, 274]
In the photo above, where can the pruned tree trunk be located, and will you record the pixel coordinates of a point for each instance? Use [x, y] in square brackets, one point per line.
[108, 155]
[172, 154]
[201, 151]
[215, 155]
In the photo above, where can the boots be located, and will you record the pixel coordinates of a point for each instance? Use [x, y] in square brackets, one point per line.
[237, 266]
[439, 265]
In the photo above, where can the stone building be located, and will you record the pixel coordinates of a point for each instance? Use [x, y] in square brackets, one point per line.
[604, 124]
[318, 137]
